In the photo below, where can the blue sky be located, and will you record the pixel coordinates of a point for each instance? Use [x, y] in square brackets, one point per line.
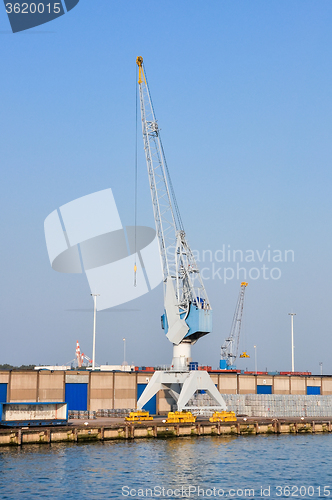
[242, 92]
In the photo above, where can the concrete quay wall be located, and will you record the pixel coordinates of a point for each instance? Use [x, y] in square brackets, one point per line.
[75, 434]
[116, 390]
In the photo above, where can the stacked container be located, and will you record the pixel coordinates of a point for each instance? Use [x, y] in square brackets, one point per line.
[279, 405]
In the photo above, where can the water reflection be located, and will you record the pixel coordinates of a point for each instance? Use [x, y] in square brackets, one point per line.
[99, 470]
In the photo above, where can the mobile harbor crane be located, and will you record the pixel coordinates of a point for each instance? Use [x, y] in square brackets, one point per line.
[230, 348]
[187, 311]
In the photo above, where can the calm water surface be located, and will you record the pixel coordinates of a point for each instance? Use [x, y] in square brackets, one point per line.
[236, 467]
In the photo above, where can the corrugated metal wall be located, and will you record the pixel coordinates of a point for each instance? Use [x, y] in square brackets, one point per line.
[264, 389]
[313, 390]
[3, 393]
[77, 396]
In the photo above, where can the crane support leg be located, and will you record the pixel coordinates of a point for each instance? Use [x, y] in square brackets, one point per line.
[181, 386]
[199, 380]
[169, 381]
[150, 390]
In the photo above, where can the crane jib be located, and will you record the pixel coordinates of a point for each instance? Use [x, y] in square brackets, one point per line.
[188, 314]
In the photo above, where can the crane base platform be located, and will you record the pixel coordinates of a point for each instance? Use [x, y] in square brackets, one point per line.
[180, 417]
[138, 416]
[223, 416]
[181, 386]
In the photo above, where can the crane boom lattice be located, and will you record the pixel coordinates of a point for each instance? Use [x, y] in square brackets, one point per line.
[188, 312]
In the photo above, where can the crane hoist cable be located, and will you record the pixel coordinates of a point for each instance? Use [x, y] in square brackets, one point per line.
[244, 353]
[136, 139]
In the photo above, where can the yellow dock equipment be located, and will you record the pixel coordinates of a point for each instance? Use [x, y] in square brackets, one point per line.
[223, 416]
[179, 417]
[138, 416]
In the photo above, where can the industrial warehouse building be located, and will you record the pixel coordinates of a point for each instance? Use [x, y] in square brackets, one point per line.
[86, 390]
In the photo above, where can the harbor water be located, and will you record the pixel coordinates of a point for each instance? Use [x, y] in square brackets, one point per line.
[273, 466]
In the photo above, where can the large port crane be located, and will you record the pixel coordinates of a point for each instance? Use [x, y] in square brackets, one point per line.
[230, 347]
[187, 310]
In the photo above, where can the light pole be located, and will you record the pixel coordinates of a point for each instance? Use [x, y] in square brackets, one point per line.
[292, 323]
[94, 295]
[255, 360]
[124, 351]
[321, 367]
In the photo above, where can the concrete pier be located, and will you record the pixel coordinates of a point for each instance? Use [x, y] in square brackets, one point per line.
[105, 429]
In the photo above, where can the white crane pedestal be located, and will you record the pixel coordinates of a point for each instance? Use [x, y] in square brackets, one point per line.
[181, 386]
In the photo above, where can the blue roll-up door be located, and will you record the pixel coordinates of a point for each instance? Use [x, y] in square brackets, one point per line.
[151, 406]
[313, 390]
[3, 393]
[264, 389]
[77, 396]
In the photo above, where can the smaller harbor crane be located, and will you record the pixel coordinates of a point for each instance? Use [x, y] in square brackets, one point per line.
[230, 347]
